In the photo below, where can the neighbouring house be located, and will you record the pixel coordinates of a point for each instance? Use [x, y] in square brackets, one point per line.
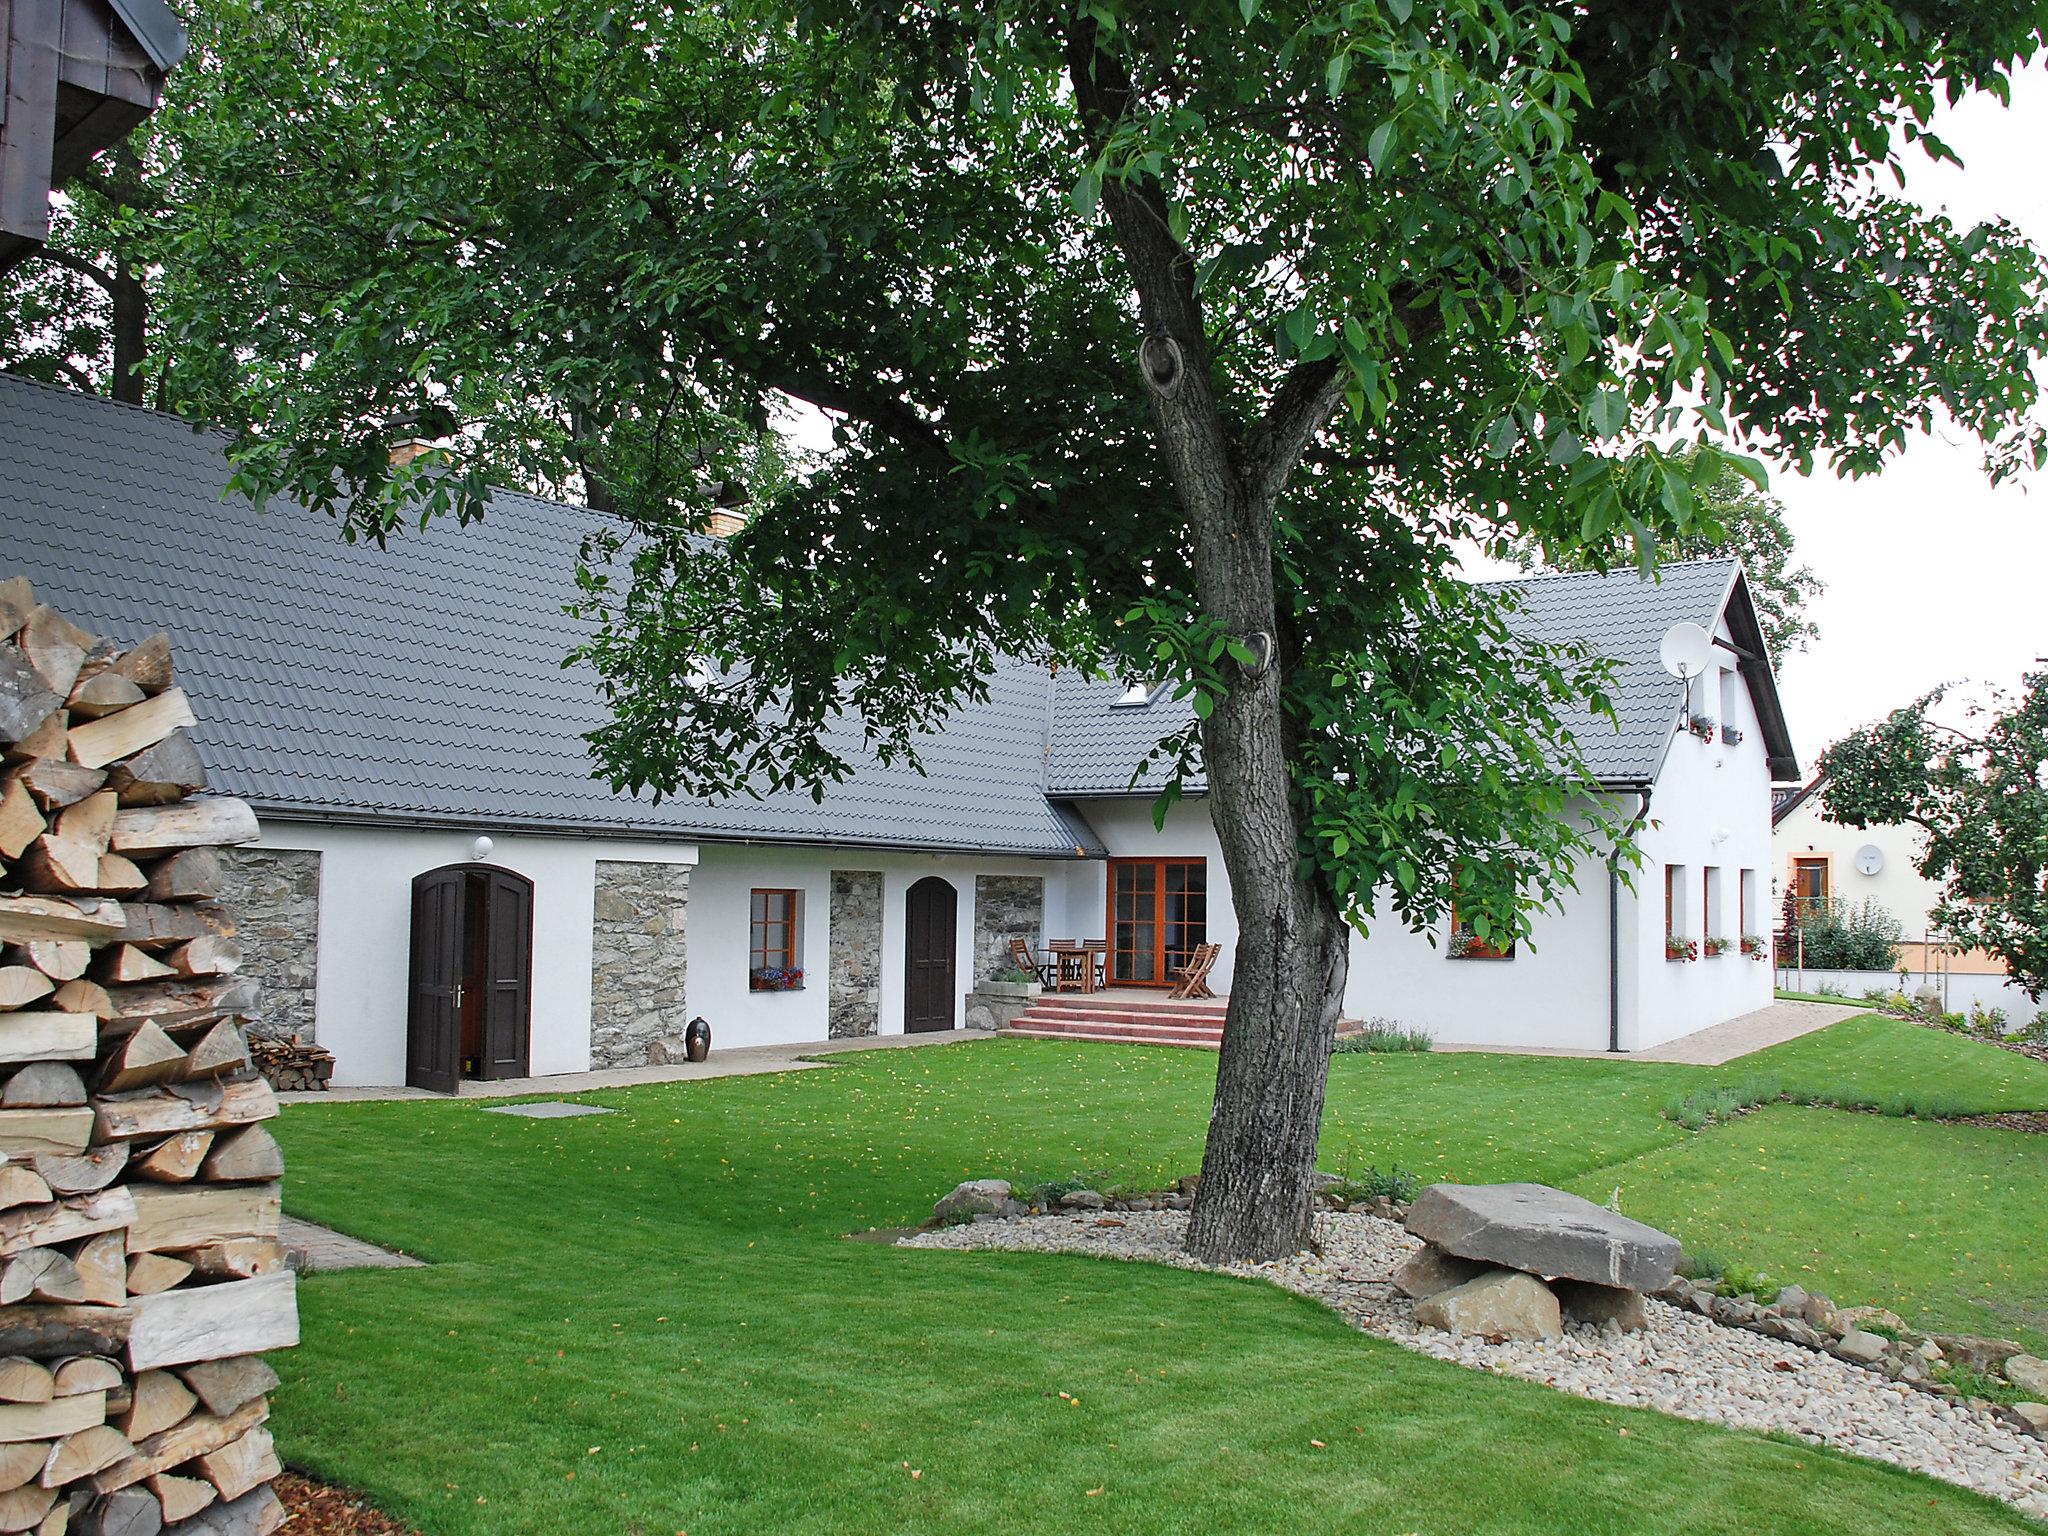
[436, 861]
[1819, 860]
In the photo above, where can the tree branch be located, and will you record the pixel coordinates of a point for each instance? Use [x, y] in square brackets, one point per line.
[75, 263]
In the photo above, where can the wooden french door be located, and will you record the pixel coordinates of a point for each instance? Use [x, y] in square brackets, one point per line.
[1158, 913]
[471, 1004]
[931, 912]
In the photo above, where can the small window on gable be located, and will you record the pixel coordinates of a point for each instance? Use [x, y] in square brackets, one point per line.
[775, 955]
[1139, 696]
[1731, 686]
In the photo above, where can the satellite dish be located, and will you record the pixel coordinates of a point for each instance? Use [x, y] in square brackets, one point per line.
[1869, 859]
[1685, 650]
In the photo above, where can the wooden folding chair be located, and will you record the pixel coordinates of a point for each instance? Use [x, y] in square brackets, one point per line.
[1098, 962]
[1192, 980]
[1022, 957]
[1066, 978]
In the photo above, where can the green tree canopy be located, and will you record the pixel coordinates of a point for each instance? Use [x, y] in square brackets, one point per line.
[1186, 340]
[1979, 791]
[1734, 516]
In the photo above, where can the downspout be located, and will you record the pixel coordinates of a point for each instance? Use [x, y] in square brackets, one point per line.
[1614, 923]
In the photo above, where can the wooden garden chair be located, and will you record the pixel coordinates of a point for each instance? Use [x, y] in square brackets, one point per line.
[1192, 980]
[1022, 957]
[1098, 963]
[1066, 977]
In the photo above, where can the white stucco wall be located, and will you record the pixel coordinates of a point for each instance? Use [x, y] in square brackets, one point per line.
[1552, 991]
[1711, 806]
[365, 940]
[721, 891]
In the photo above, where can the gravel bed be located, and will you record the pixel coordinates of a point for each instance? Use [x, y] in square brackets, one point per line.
[1682, 1364]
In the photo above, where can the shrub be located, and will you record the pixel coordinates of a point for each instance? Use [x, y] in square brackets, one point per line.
[2036, 1033]
[1987, 1022]
[1722, 1101]
[1016, 973]
[1839, 937]
[1736, 1281]
[1397, 1184]
[1385, 1035]
[1701, 1266]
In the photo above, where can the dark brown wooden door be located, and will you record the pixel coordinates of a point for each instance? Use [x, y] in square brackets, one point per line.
[506, 989]
[929, 930]
[439, 967]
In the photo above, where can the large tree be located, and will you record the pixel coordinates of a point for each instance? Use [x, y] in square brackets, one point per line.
[1189, 341]
[1734, 515]
[1978, 791]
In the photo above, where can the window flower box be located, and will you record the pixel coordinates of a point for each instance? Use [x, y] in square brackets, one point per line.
[1730, 736]
[776, 978]
[1701, 726]
[1756, 946]
[1719, 946]
[1676, 948]
[1467, 945]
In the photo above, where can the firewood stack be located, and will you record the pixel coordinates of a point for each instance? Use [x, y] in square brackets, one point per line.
[292, 1066]
[141, 1276]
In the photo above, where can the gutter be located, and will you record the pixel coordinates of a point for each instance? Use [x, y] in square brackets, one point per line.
[1642, 792]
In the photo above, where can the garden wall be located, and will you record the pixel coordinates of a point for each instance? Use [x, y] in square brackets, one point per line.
[1960, 989]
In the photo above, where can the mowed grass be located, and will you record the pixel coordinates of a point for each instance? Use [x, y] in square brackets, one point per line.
[1871, 1058]
[1944, 1224]
[652, 1322]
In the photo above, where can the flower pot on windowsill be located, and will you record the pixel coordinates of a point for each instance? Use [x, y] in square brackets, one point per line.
[1701, 726]
[1681, 949]
[1719, 946]
[776, 980]
[1755, 946]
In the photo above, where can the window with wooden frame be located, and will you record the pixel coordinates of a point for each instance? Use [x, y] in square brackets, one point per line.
[775, 941]
[1678, 941]
[1467, 945]
[1810, 883]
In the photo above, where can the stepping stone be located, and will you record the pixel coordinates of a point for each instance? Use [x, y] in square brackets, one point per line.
[554, 1109]
[1544, 1231]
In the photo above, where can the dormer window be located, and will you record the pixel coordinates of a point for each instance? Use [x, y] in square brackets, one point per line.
[1139, 696]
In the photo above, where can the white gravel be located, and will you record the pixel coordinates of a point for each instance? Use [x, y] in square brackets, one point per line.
[1682, 1364]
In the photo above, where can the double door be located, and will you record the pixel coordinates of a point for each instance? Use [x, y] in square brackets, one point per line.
[1158, 913]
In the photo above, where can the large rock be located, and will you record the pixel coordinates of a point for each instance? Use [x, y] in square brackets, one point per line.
[1584, 1302]
[1861, 1347]
[976, 1197]
[1977, 1352]
[1546, 1232]
[1430, 1270]
[1500, 1304]
[2028, 1374]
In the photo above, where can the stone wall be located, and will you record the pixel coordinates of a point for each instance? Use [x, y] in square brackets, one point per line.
[274, 894]
[854, 1005]
[639, 961]
[1006, 907]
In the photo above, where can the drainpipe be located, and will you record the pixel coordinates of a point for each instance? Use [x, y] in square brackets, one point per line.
[1614, 923]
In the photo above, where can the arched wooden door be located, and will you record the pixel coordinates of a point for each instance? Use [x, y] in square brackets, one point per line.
[471, 1000]
[930, 912]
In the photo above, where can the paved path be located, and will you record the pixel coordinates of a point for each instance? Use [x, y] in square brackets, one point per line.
[312, 1247]
[1708, 1047]
[1774, 1025]
[745, 1061]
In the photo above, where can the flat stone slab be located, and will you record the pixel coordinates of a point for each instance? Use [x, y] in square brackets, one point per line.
[553, 1110]
[310, 1247]
[1546, 1232]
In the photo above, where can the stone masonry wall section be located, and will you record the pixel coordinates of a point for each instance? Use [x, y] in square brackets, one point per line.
[275, 896]
[854, 1004]
[639, 962]
[1006, 907]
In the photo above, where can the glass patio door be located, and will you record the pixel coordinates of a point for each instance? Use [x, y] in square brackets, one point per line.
[1158, 913]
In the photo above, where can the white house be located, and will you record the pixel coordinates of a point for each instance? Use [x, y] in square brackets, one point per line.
[441, 889]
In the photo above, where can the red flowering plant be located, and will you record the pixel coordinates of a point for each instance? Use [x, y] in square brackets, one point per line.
[1677, 947]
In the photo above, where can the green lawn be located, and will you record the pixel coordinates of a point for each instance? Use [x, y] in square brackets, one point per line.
[651, 1321]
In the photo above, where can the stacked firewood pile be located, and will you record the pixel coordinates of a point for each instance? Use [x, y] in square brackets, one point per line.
[293, 1065]
[141, 1276]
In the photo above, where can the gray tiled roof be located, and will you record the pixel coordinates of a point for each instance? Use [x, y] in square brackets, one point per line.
[1619, 615]
[423, 682]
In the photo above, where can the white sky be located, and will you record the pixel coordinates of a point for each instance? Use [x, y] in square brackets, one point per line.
[1932, 575]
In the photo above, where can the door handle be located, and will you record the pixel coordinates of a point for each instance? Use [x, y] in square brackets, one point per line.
[458, 995]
